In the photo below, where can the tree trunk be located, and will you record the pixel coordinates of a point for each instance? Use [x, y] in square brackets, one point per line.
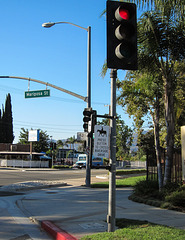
[157, 144]
[170, 124]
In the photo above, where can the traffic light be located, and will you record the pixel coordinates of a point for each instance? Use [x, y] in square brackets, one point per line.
[121, 35]
[87, 117]
[93, 119]
[51, 145]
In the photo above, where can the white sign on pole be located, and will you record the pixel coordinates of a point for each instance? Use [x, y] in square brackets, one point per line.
[101, 141]
[82, 136]
[33, 136]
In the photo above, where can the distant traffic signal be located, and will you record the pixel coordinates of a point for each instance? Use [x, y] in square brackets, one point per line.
[51, 145]
[121, 35]
[87, 117]
[54, 145]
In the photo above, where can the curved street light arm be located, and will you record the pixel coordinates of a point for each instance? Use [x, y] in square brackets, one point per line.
[85, 99]
[50, 24]
[73, 25]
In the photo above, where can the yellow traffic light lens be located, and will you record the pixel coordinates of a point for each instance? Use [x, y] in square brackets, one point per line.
[124, 31]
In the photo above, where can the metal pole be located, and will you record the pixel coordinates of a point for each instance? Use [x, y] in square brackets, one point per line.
[31, 149]
[88, 170]
[89, 68]
[112, 174]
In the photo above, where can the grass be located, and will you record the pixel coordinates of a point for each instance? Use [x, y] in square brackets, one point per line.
[130, 171]
[139, 230]
[129, 229]
[126, 182]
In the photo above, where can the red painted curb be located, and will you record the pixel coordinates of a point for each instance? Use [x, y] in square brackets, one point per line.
[56, 232]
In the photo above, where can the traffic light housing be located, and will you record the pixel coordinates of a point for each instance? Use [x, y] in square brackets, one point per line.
[93, 119]
[121, 35]
[51, 145]
[87, 117]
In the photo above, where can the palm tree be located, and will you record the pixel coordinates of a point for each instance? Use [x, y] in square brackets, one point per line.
[162, 40]
[72, 141]
[60, 143]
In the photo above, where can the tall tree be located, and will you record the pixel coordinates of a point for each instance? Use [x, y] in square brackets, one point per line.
[163, 39]
[6, 122]
[160, 45]
[141, 94]
[9, 119]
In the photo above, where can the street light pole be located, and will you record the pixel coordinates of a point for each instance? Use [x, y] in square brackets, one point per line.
[89, 67]
[88, 169]
[50, 24]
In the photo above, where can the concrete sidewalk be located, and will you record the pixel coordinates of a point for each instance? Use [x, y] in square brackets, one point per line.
[82, 211]
[77, 210]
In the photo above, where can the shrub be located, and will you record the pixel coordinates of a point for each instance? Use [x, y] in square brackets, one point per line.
[176, 198]
[169, 188]
[61, 166]
[146, 188]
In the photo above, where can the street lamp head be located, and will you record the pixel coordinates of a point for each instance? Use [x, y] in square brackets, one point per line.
[48, 24]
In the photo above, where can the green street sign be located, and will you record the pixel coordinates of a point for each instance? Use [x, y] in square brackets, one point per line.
[39, 93]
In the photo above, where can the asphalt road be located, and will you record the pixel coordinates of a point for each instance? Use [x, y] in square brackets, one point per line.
[10, 176]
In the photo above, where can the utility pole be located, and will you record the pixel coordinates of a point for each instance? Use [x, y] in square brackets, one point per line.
[112, 173]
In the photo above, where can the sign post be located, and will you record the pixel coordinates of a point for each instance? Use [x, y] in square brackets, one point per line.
[33, 136]
[112, 174]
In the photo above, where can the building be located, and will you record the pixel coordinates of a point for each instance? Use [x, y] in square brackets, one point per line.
[18, 155]
[66, 156]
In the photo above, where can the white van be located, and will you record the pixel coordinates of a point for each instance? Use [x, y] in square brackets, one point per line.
[81, 162]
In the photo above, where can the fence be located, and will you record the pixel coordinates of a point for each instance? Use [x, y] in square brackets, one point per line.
[176, 167]
[130, 164]
[24, 163]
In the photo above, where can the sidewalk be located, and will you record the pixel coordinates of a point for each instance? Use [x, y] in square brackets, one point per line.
[79, 210]
[82, 211]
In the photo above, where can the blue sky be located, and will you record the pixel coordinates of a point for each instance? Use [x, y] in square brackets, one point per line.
[57, 55]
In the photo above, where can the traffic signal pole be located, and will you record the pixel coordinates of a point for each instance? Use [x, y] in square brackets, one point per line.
[112, 174]
[121, 54]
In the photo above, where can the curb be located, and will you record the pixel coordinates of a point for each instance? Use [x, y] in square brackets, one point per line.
[40, 187]
[56, 232]
[29, 188]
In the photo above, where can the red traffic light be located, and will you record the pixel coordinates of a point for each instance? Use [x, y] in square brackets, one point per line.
[124, 13]
[121, 35]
